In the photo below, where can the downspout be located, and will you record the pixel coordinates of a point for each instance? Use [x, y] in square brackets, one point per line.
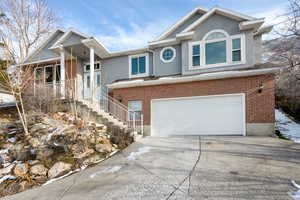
[153, 61]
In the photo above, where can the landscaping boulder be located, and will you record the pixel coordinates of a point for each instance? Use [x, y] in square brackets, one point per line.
[38, 170]
[5, 158]
[59, 169]
[21, 169]
[6, 170]
[38, 127]
[103, 148]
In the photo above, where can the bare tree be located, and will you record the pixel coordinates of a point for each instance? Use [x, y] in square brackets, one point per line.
[17, 82]
[24, 24]
[286, 48]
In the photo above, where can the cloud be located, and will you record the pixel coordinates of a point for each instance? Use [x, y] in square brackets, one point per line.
[135, 36]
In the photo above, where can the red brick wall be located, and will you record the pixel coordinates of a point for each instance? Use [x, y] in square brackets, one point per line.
[259, 106]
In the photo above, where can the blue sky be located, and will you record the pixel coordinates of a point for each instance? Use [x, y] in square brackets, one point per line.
[127, 24]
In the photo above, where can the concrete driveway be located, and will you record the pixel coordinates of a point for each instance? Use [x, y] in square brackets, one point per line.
[158, 168]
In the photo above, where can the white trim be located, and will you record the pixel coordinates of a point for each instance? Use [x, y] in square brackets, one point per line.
[181, 21]
[161, 54]
[147, 65]
[263, 30]
[206, 96]
[42, 45]
[228, 40]
[185, 35]
[167, 41]
[215, 30]
[222, 11]
[88, 63]
[251, 24]
[65, 36]
[39, 61]
[199, 77]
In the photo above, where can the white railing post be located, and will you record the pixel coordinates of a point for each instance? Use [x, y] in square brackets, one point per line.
[133, 122]
[62, 72]
[92, 68]
[142, 124]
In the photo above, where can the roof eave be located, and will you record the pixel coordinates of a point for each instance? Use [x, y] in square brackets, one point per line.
[201, 77]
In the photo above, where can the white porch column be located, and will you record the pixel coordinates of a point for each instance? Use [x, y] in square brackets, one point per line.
[92, 69]
[62, 73]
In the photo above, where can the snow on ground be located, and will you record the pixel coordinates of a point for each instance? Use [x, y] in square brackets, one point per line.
[141, 151]
[287, 126]
[7, 177]
[108, 170]
[295, 195]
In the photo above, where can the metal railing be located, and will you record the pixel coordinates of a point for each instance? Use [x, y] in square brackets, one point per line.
[119, 111]
[104, 102]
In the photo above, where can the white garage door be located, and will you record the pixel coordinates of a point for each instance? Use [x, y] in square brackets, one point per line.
[205, 115]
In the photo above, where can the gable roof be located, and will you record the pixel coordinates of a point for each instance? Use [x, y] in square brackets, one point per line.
[221, 11]
[180, 22]
[43, 45]
[66, 35]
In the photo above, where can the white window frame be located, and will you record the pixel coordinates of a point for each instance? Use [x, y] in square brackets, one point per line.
[147, 65]
[228, 40]
[162, 51]
[87, 63]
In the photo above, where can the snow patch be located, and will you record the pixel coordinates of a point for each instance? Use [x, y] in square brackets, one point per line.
[287, 126]
[12, 140]
[142, 150]
[295, 195]
[3, 151]
[108, 170]
[7, 177]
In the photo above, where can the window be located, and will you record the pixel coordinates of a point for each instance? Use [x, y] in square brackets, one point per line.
[88, 81]
[167, 54]
[57, 71]
[236, 50]
[138, 65]
[135, 110]
[215, 52]
[87, 66]
[216, 49]
[215, 35]
[98, 80]
[49, 74]
[196, 55]
[39, 75]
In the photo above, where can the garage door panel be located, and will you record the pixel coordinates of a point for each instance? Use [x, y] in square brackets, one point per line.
[214, 115]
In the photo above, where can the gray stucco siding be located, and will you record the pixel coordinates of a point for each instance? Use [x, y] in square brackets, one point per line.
[161, 68]
[214, 22]
[184, 25]
[46, 53]
[117, 68]
[73, 40]
[232, 28]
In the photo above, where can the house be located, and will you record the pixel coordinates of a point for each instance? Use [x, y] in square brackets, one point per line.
[202, 76]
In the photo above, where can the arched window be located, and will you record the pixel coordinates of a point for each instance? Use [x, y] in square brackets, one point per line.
[217, 48]
[215, 35]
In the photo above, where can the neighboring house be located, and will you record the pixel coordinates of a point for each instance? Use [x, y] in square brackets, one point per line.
[202, 76]
[6, 99]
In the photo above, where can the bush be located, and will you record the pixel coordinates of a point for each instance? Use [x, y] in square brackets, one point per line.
[288, 93]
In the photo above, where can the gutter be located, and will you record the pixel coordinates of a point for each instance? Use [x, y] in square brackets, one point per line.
[200, 77]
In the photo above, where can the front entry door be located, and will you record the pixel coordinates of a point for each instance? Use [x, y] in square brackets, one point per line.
[87, 87]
